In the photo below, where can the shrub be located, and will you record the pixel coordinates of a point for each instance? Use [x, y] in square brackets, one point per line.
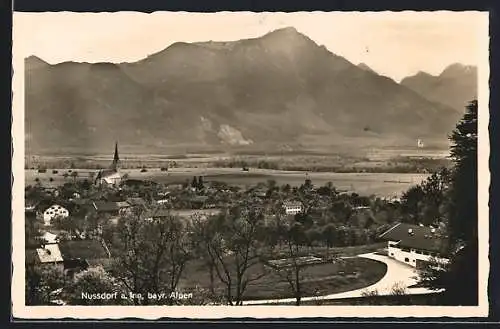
[54, 171]
[398, 289]
[42, 170]
[369, 293]
[144, 170]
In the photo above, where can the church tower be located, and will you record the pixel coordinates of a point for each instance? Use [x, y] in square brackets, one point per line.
[116, 158]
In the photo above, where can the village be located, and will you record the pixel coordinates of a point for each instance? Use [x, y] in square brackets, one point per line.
[74, 228]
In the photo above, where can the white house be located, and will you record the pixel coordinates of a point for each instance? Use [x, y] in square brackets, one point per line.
[414, 245]
[54, 211]
[293, 207]
[50, 238]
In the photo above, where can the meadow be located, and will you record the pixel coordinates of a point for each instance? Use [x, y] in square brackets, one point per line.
[319, 279]
[380, 184]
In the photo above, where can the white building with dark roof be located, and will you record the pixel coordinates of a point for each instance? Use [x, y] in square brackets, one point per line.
[414, 245]
[54, 211]
[293, 207]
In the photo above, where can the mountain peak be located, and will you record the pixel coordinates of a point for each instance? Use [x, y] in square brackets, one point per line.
[287, 29]
[457, 69]
[35, 62]
[454, 87]
[365, 67]
[422, 74]
[286, 32]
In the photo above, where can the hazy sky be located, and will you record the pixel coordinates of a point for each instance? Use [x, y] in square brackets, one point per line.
[393, 44]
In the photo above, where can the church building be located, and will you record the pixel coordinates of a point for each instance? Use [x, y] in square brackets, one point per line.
[110, 176]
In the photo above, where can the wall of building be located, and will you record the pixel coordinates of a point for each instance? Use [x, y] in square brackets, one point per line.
[53, 212]
[293, 210]
[408, 255]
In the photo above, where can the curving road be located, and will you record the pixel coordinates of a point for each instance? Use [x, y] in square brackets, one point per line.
[397, 273]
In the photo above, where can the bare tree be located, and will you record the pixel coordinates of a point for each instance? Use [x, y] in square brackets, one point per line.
[232, 248]
[293, 237]
[153, 255]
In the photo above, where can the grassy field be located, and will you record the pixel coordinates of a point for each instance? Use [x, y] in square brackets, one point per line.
[382, 184]
[356, 160]
[320, 279]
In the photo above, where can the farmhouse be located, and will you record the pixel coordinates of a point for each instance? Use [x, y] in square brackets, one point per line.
[292, 207]
[413, 244]
[54, 211]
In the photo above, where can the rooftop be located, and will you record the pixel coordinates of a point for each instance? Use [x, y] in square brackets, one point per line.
[84, 249]
[415, 236]
[156, 213]
[106, 173]
[292, 204]
[122, 204]
[49, 237]
[136, 201]
[49, 254]
[104, 206]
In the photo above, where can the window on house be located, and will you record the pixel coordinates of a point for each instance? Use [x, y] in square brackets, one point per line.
[392, 254]
[407, 259]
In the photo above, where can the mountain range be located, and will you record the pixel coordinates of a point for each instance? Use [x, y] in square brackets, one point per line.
[456, 86]
[281, 91]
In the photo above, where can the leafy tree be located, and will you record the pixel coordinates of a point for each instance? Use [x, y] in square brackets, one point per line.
[200, 183]
[463, 218]
[313, 236]
[463, 210]
[329, 234]
[194, 182]
[94, 280]
[411, 203]
[459, 278]
[286, 188]
[74, 174]
[32, 231]
[271, 186]
[41, 282]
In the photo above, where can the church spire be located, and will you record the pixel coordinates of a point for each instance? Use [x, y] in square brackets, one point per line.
[116, 158]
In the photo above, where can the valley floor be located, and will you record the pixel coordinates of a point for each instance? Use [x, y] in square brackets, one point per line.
[380, 184]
